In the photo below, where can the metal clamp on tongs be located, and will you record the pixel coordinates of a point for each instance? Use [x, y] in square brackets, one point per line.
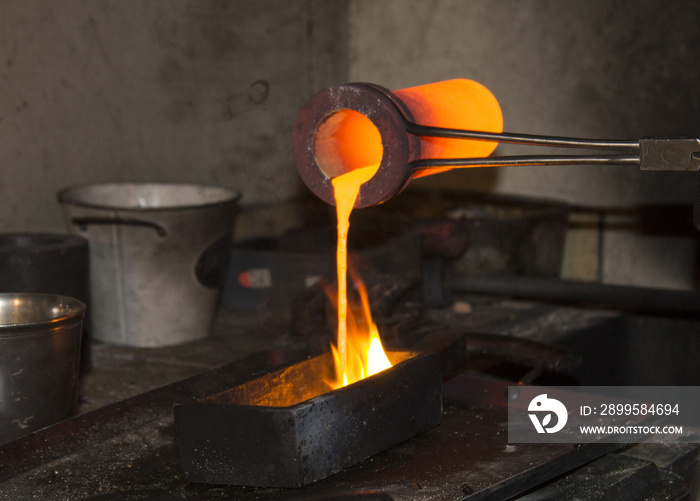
[316, 137]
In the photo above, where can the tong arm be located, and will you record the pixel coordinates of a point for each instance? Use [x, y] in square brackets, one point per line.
[652, 153]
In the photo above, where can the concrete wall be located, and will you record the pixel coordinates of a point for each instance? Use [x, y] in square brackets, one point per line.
[592, 68]
[159, 91]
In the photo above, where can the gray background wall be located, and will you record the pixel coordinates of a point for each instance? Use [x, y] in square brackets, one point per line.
[181, 91]
[206, 92]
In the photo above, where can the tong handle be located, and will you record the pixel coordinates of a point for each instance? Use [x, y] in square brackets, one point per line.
[509, 161]
[650, 153]
[524, 139]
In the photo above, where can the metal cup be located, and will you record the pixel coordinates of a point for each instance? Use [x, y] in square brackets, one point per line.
[39, 361]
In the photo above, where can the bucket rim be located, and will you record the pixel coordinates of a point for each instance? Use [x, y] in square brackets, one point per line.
[66, 196]
[75, 314]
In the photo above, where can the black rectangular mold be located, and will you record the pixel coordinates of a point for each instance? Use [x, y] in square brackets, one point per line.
[286, 429]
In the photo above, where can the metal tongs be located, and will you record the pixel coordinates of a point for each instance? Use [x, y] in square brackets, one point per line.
[679, 154]
[649, 153]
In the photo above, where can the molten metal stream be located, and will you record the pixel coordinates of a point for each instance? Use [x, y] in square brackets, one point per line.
[346, 188]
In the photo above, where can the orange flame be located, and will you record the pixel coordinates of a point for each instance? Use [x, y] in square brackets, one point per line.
[365, 353]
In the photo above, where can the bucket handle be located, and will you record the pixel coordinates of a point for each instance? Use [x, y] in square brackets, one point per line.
[83, 222]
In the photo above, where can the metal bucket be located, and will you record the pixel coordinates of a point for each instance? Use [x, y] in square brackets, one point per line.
[158, 255]
[39, 361]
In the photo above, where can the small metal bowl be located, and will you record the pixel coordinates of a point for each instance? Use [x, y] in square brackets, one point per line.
[39, 361]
